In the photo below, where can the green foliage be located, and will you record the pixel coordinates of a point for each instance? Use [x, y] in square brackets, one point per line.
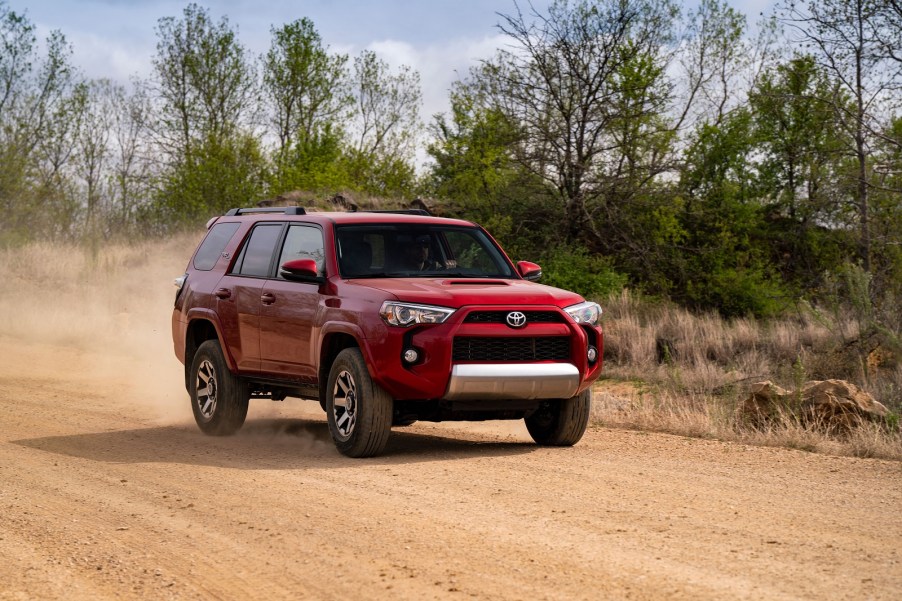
[472, 152]
[305, 86]
[215, 177]
[577, 269]
[736, 292]
[577, 146]
[386, 111]
[205, 80]
[312, 163]
[886, 208]
[379, 175]
[723, 265]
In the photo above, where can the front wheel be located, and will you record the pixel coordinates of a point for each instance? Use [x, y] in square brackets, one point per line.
[359, 410]
[561, 422]
[219, 398]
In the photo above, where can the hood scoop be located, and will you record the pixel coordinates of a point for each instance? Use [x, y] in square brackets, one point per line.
[475, 282]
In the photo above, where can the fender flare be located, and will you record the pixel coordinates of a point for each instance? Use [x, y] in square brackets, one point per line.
[200, 313]
[352, 330]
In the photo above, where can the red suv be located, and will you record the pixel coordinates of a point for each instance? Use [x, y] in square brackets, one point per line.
[385, 318]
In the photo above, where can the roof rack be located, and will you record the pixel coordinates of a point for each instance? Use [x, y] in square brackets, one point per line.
[395, 211]
[279, 210]
[301, 211]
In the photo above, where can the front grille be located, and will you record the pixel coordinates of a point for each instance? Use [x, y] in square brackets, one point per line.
[501, 316]
[541, 348]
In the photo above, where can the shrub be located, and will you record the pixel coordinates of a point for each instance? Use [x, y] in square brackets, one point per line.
[576, 269]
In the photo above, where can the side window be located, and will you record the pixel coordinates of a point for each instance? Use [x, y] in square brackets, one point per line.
[304, 242]
[256, 256]
[211, 248]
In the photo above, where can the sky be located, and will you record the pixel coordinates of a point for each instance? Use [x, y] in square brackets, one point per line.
[441, 39]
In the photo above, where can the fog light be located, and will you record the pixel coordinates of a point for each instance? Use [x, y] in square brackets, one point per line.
[411, 355]
[592, 354]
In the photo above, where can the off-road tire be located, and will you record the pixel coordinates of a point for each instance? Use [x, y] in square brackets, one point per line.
[219, 398]
[359, 411]
[560, 422]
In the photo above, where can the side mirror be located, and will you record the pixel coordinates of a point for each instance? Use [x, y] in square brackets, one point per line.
[300, 270]
[529, 271]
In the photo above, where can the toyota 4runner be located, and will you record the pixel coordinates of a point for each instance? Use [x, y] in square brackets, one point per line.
[385, 318]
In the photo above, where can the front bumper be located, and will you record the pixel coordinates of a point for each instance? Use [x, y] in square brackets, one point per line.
[440, 375]
[488, 381]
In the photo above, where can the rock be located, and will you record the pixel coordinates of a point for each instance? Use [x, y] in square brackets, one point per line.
[832, 406]
[764, 405]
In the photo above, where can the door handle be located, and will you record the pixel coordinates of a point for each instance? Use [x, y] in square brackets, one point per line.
[223, 293]
[268, 298]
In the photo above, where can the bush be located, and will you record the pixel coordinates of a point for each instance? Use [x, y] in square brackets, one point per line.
[575, 269]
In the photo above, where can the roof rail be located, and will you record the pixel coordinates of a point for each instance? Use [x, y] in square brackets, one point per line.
[395, 211]
[279, 210]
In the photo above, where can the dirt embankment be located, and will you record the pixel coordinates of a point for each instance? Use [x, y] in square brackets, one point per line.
[108, 490]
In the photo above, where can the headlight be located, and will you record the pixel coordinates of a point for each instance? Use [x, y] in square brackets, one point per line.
[586, 312]
[404, 314]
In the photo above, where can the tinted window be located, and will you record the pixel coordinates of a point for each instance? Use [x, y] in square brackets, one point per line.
[427, 250]
[256, 256]
[211, 248]
[303, 242]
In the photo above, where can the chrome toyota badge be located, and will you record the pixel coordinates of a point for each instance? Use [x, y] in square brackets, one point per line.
[516, 319]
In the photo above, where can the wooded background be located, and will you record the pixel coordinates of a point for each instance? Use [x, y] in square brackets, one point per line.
[617, 142]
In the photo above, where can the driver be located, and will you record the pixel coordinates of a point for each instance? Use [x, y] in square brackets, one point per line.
[415, 255]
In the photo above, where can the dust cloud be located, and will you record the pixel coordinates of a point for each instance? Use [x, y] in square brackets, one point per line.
[105, 316]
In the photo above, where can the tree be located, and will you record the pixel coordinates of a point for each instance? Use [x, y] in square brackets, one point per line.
[848, 38]
[474, 168]
[205, 84]
[36, 122]
[305, 85]
[218, 174]
[307, 89]
[713, 51]
[385, 125]
[889, 29]
[722, 262]
[473, 160]
[204, 80]
[92, 144]
[801, 148]
[132, 162]
[558, 84]
[887, 204]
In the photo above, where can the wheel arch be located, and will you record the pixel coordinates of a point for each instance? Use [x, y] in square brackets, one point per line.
[200, 329]
[332, 343]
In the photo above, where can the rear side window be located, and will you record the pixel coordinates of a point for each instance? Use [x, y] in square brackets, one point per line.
[256, 256]
[211, 248]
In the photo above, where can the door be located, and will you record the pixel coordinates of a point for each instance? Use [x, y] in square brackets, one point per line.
[240, 295]
[288, 320]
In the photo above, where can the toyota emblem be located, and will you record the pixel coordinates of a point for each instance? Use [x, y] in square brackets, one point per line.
[516, 319]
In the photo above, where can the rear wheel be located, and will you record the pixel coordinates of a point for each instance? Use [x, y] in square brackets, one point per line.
[560, 422]
[219, 398]
[358, 410]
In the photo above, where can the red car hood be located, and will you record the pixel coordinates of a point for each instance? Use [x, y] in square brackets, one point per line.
[459, 292]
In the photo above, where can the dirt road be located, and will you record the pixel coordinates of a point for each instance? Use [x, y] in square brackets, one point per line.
[108, 490]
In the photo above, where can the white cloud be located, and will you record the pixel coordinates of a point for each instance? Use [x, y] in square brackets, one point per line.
[100, 57]
[439, 64]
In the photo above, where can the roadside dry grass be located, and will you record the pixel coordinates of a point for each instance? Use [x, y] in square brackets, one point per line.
[666, 369]
[672, 371]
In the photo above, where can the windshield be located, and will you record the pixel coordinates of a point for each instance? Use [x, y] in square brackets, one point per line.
[412, 251]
